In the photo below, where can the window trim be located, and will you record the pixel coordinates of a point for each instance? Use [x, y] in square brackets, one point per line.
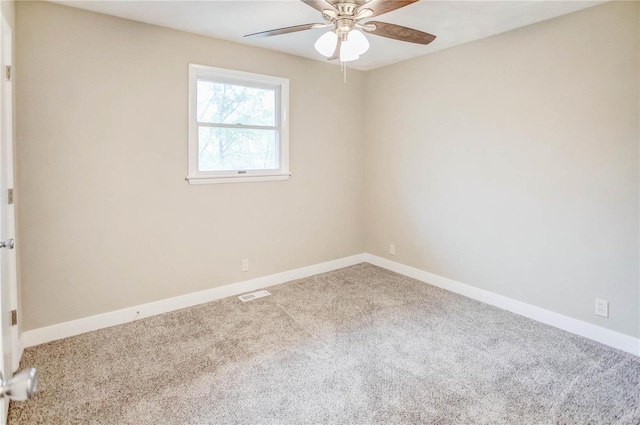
[194, 175]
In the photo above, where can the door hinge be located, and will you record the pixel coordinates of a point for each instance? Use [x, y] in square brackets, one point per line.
[10, 196]
[7, 72]
[14, 317]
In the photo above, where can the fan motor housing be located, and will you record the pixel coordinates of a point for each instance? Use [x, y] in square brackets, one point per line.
[346, 9]
[344, 25]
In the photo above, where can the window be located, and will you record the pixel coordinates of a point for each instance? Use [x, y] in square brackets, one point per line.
[238, 126]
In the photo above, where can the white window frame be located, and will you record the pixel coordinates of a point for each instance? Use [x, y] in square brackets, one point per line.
[281, 86]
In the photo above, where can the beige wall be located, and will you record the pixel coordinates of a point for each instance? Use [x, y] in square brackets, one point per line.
[511, 164]
[107, 219]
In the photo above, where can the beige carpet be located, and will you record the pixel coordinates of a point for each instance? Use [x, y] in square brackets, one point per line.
[360, 345]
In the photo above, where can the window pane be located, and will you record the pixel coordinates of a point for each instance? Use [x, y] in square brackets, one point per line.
[226, 149]
[221, 103]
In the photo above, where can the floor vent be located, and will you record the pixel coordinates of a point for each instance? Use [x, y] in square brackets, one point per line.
[254, 295]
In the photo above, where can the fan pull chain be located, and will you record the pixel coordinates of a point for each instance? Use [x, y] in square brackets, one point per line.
[343, 69]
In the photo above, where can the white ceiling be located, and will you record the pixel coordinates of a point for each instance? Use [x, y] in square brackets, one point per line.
[453, 22]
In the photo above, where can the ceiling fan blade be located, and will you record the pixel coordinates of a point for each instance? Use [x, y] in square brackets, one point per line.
[285, 30]
[321, 5]
[384, 6]
[397, 32]
[336, 53]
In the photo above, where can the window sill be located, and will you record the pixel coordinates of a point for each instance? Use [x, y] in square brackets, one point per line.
[236, 179]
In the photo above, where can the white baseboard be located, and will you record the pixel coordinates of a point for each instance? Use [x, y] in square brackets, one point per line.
[118, 317]
[100, 321]
[566, 323]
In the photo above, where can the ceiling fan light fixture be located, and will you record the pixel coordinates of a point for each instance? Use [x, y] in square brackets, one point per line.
[326, 44]
[344, 41]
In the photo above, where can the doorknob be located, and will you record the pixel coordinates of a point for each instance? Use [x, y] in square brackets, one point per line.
[7, 244]
[21, 387]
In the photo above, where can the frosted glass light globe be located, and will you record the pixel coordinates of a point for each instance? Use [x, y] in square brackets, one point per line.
[349, 51]
[361, 44]
[326, 44]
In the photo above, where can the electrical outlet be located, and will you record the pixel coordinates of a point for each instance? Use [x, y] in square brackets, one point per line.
[602, 308]
[392, 249]
[245, 265]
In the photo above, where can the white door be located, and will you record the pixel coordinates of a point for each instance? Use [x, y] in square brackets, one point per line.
[23, 385]
[8, 295]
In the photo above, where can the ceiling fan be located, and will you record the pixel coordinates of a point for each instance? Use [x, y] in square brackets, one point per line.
[345, 41]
